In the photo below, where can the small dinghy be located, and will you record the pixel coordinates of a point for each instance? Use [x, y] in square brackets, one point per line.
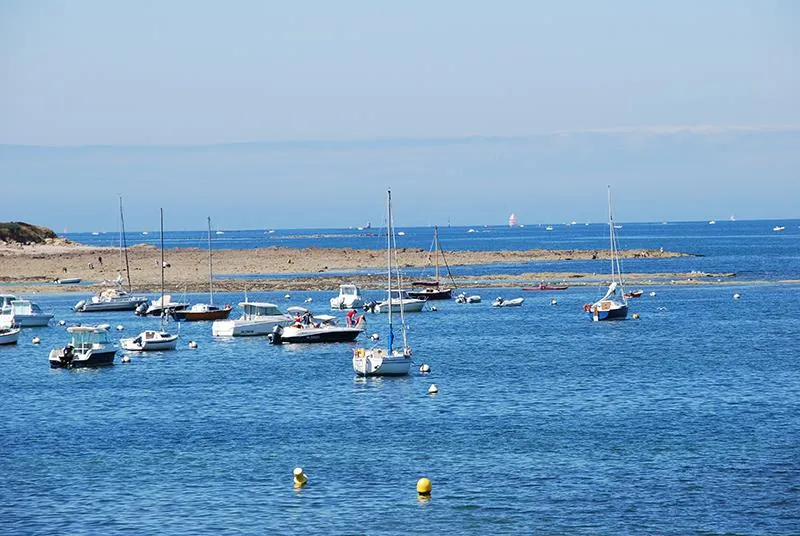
[502, 302]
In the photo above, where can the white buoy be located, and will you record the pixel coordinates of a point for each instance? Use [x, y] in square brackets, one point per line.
[554, 302]
[736, 296]
[288, 296]
[434, 308]
[192, 344]
[432, 390]
[309, 300]
[375, 337]
[126, 359]
[424, 368]
[36, 340]
[635, 316]
[652, 294]
[120, 327]
[61, 322]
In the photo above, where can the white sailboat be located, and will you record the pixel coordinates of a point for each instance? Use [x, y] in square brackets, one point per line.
[389, 361]
[153, 340]
[512, 220]
[609, 307]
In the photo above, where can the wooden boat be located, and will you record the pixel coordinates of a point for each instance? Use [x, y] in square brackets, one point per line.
[607, 307]
[389, 361]
[546, 286]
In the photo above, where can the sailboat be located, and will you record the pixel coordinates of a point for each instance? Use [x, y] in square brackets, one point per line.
[389, 361]
[153, 339]
[609, 307]
[205, 311]
[512, 220]
[114, 299]
[431, 290]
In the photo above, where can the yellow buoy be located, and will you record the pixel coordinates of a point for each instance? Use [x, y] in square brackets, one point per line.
[299, 477]
[424, 487]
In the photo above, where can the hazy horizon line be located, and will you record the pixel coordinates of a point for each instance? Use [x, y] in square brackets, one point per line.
[656, 130]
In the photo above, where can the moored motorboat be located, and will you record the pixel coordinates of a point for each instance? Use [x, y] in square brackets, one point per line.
[162, 306]
[150, 340]
[9, 335]
[112, 299]
[89, 346]
[28, 314]
[634, 293]
[398, 299]
[313, 329]
[258, 319]
[349, 298]
[203, 311]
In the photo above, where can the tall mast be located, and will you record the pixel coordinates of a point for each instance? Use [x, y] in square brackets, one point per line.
[611, 233]
[162, 258]
[210, 267]
[124, 246]
[389, 264]
[436, 246]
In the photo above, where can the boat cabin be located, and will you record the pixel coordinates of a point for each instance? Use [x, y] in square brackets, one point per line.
[257, 309]
[5, 302]
[24, 307]
[84, 338]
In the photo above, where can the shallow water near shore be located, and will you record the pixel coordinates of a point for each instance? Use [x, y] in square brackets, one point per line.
[685, 421]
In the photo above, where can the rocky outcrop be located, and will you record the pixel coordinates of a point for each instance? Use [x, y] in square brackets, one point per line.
[18, 232]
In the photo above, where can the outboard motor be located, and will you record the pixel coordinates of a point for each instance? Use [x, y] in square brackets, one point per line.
[79, 306]
[276, 337]
[141, 309]
[370, 306]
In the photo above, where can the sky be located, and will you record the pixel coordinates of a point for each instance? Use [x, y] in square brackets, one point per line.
[194, 73]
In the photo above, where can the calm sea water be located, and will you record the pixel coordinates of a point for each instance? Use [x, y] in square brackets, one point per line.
[685, 421]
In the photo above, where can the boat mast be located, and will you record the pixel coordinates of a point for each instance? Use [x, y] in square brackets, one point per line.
[436, 245]
[124, 246]
[162, 260]
[210, 267]
[389, 264]
[611, 234]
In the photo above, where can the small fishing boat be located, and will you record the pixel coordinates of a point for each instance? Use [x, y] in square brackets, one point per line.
[312, 329]
[89, 346]
[389, 361]
[779, 228]
[607, 307]
[349, 298]
[502, 302]
[546, 286]
[634, 293]
[9, 335]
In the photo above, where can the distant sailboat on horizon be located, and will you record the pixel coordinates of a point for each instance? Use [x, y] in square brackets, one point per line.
[512, 220]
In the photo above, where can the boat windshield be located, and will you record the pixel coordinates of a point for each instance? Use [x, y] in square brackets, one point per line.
[348, 291]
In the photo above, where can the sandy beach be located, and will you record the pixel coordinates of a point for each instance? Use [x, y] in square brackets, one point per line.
[33, 268]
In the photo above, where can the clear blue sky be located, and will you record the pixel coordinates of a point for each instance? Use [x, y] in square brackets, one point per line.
[195, 72]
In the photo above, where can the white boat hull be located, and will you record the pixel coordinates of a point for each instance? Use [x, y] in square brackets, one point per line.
[409, 306]
[378, 362]
[247, 328]
[31, 321]
[9, 335]
[516, 302]
[150, 341]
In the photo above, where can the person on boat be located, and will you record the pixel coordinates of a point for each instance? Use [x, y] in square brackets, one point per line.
[298, 319]
[307, 318]
[349, 317]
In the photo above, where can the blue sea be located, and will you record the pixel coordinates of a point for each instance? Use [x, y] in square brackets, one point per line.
[685, 421]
